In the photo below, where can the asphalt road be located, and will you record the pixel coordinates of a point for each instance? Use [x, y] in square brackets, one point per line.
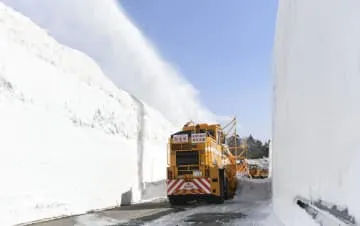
[251, 206]
[127, 215]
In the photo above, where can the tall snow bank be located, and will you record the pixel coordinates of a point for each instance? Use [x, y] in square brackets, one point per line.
[316, 112]
[70, 140]
[102, 30]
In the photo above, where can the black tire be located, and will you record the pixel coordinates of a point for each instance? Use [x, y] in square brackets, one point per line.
[226, 189]
[220, 199]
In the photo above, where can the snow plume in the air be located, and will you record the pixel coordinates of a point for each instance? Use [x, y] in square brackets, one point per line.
[102, 30]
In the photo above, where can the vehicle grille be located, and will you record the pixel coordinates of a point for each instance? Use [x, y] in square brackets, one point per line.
[189, 172]
[187, 158]
[183, 147]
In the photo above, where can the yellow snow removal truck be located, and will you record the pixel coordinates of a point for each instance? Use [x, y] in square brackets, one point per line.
[200, 165]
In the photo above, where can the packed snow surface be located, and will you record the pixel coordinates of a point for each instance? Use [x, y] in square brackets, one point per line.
[316, 135]
[102, 30]
[71, 141]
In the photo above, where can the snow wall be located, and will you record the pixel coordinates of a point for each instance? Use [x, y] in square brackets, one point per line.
[316, 136]
[102, 30]
[70, 140]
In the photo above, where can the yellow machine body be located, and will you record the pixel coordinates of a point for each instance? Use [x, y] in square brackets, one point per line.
[200, 165]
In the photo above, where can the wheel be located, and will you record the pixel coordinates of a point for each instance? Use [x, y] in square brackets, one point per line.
[220, 199]
[226, 189]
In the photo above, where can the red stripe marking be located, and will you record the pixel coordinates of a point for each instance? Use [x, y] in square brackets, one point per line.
[172, 185]
[177, 187]
[197, 185]
[203, 188]
[205, 183]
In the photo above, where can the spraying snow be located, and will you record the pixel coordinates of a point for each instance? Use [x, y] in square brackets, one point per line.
[103, 31]
[316, 119]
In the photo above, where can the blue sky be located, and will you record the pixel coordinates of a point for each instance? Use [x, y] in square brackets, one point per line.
[224, 50]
